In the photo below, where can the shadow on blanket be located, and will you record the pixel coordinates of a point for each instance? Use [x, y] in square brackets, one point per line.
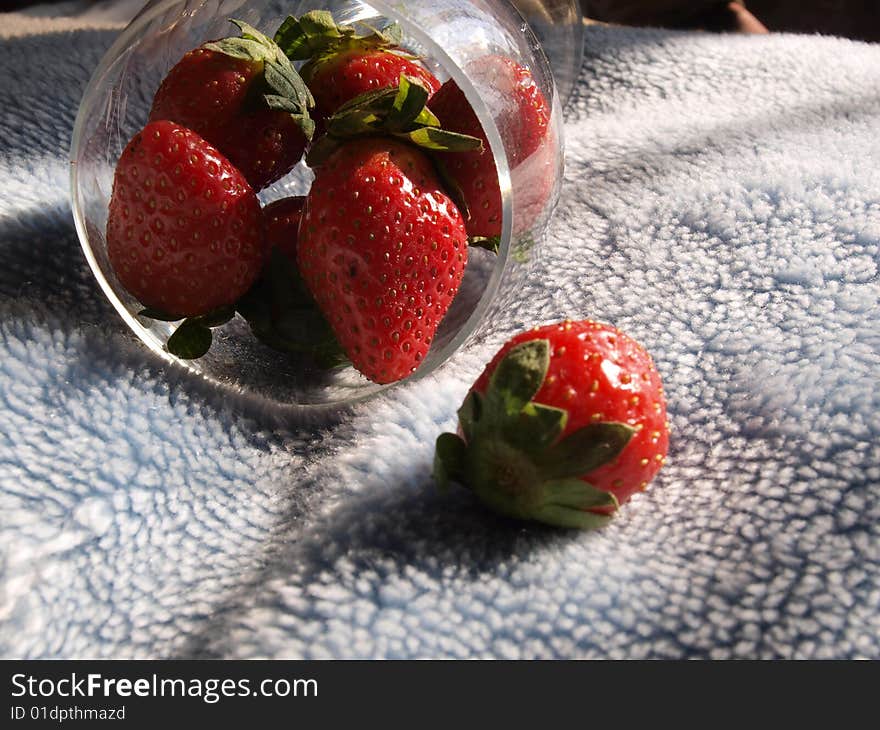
[378, 536]
[45, 281]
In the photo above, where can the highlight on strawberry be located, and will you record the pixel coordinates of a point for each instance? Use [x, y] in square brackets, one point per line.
[564, 425]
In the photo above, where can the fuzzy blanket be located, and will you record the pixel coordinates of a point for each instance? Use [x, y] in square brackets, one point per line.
[721, 204]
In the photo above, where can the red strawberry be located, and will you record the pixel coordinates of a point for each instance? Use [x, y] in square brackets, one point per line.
[383, 251]
[222, 92]
[522, 122]
[185, 231]
[282, 224]
[205, 91]
[566, 423]
[265, 145]
[474, 172]
[342, 65]
[343, 76]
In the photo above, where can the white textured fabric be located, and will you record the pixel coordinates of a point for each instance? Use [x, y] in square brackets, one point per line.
[721, 203]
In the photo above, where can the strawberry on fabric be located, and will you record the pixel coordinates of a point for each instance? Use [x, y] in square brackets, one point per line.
[185, 232]
[242, 95]
[565, 424]
[522, 118]
[340, 64]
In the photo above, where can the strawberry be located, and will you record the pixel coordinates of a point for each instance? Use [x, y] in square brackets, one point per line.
[473, 172]
[279, 309]
[265, 145]
[348, 74]
[282, 224]
[381, 247]
[244, 97]
[342, 65]
[383, 250]
[185, 231]
[205, 91]
[565, 424]
[522, 122]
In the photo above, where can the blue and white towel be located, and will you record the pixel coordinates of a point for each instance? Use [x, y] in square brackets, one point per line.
[721, 204]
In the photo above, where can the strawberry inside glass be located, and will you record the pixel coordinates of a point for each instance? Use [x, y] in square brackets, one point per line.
[263, 103]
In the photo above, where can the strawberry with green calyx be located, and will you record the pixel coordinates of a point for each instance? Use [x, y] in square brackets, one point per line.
[563, 426]
[243, 95]
[342, 64]
[382, 247]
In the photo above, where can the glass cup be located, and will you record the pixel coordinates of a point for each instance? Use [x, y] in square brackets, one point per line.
[454, 39]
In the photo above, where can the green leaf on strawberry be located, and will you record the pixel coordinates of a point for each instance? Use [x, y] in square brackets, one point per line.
[315, 34]
[516, 380]
[193, 338]
[585, 449]
[286, 89]
[394, 112]
[190, 340]
[409, 108]
[578, 517]
[470, 412]
[158, 315]
[537, 427]
[449, 459]
[217, 317]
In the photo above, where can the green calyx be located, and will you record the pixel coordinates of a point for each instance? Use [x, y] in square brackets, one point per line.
[490, 243]
[193, 336]
[315, 37]
[512, 455]
[285, 89]
[400, 112]
[279, 311]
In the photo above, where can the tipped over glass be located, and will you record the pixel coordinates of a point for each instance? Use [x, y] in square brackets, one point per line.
[455, 39]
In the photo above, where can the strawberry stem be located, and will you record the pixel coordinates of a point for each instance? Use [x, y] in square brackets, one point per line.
[393, 112]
